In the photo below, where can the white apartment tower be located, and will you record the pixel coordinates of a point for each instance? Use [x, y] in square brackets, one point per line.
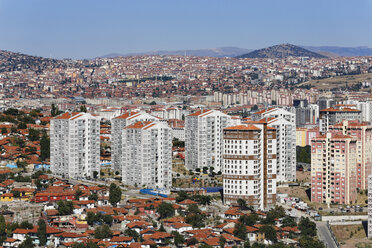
[203, 134]
[75, 145]
[117, 125]
[249, 164]
[147, 154]
[285, 124]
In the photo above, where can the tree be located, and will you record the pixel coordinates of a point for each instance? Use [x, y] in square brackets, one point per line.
[192, 241]
[269, 232]
[33, 134]
[44, 147]
[55, 111]
[242, 204]
[114, 194]
[78, 193]
[132, 233]
[247, 244]
[16, 194]
[178, 239]
[65, 207]
[102, 232]
[4, 130]
[240, 231]
[107, 219]
[26, 225]
[27, 243]
[307, 227]
[165, 210]
[93, 197]
[83, 108]
[22, 125]
[182, 195]
[91, 218]
[41, 232]
[289, 221]
[2, 229]
[222, 242]
[249, 220]
[275, 213]
[161, 229]
[95, 174]
[21, 164]
[308, 242]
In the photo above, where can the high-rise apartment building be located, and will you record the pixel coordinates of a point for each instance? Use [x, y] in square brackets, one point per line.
[203, 133]
[75, 145]
[362, 131]
[370, 206]
[334, 115]
[147, 154]
[285, 124]
[334, 168]
[117, 125]
[249, 164]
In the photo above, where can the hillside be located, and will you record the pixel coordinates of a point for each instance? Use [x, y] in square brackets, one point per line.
[342, 51]
[282, 51]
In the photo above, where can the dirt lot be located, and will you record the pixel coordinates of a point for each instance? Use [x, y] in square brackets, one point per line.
[351, 235]
[340, 81]
[303, 176]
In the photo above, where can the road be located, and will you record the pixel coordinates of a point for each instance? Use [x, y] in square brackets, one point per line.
[325, 235]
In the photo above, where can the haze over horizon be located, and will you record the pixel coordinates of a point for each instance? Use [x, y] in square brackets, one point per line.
[87, 29]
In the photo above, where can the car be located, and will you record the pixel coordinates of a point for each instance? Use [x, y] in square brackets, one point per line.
[320, 208]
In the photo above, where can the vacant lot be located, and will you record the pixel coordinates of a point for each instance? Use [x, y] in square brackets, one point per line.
[351, 235]
[337, 82]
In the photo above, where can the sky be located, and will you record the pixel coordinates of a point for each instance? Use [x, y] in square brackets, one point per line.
[90, 28]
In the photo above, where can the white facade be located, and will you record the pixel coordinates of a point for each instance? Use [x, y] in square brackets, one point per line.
[75, 145]
[147, 154]
[370, 206]
[285, 124]
[203, 145]
[179, 133]
[249, 165]
[117, 125]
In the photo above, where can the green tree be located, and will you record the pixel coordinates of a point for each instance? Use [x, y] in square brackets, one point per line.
[78, 193]
[27, 243]
[165, 210]
[308, 242]
[289, 221]
[91, 218]
[2, 229]
[107, 219]
[307, 227]
[178, 239]
[181, 196]
[240, 230]
[65, 207]
[41, 232]
[95, 174]
[222, 242]
[114, 194]
[269, 232]
[55, 111]
[21, 164]
[93, 197]
[132, 233]
[44, 147]
[247, 244]
[249, 220]
[242, 204]
[4, 130]
[22, 125]
[161, 229]
[33, 134]
[83, 108]
[102, 232]
[26, 225]
[16, 194]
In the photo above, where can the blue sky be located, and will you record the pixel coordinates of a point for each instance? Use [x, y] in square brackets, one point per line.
[90, 28]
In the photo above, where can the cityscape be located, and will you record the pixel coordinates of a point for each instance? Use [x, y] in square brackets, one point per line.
[163, 143]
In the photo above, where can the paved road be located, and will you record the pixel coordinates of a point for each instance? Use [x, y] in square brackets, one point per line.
[325, 235]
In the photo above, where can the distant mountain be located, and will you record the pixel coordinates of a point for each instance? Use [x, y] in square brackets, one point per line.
[282, 51]
[342, 51]
[219, 52]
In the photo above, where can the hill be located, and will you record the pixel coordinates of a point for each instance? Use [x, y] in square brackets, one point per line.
[342, 51]
[282, 51]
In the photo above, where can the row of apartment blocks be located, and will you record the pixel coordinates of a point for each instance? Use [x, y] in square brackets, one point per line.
[141, 147]
[341, 161]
